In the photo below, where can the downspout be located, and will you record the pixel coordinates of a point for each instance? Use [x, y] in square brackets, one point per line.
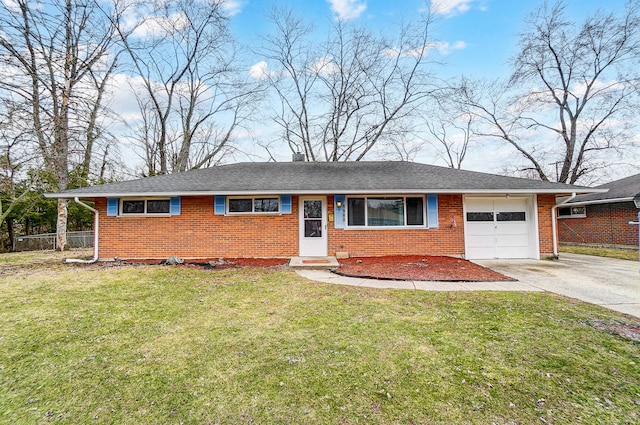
[95, 236]
[553, 222]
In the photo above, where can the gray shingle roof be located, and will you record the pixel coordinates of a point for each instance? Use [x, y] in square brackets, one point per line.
[322, 177]
[620, 190]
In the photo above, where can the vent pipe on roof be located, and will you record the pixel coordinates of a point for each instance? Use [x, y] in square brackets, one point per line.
[298, 157]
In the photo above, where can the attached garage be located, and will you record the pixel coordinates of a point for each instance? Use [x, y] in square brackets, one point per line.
[500, 227]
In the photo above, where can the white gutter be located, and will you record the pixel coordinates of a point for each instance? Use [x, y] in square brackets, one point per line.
[553, 222]
[602, 201]
[96, 222]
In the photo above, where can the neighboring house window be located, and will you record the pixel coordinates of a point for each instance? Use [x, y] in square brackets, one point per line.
[253, 205]
[572, 212]
[386, 211]
[145, 206]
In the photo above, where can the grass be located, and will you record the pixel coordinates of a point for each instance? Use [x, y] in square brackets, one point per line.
[623, 254]
[157, 344]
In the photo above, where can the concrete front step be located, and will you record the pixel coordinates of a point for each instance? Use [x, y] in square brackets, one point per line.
[314, 263]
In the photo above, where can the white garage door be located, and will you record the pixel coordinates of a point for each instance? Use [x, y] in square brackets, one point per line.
[499, 228]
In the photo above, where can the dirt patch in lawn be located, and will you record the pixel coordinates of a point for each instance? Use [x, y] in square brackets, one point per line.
[218, 263]
[626, 330]
[414, 267]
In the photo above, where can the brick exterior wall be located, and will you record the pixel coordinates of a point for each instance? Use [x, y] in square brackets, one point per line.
[545, 224]
[606, 224]
[198, 233]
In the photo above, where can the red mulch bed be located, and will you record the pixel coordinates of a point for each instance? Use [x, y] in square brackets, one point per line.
[418, 267]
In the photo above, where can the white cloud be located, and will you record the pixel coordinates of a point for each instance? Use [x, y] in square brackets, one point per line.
[122, 97]
[233, 7]
[450, 7]
[347, 10]
[11, 5]
[154, 26]
[580, 89]
[442, 47]
[260, 71]
[445, 48]
[325, 66]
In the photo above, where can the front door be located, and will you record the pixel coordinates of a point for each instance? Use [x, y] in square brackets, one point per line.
[313, 226]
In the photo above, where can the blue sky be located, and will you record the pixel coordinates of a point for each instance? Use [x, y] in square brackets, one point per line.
[481, 34]
[478, 37]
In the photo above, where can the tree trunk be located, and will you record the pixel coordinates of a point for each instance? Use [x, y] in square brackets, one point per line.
[61, 234]
[10, 233]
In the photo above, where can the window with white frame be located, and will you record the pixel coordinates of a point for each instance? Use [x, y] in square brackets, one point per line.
[253, 205]
[572, 212]
[386, 211]
[145, 206]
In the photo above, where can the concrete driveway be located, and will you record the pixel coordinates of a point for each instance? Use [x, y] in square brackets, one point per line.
[611, 283]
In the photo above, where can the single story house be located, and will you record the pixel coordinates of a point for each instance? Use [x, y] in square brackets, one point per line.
[602, 218]
[278, 209]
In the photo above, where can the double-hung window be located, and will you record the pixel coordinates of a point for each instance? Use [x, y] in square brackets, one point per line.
[254, 205]
[145, 206]
[386, 211]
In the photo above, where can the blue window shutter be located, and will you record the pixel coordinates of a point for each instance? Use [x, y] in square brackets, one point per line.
[174, 205]
[432, 210]
[338, 213]
[285, 204]
[219, 205]
[112, 206]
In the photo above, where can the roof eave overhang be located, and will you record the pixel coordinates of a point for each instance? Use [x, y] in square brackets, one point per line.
[316, 192]
[600, 201]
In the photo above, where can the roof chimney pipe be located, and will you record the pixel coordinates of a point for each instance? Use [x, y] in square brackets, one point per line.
[298, 157]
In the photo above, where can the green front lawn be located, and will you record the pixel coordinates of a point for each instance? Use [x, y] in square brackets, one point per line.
[156, 344]
[622, 254]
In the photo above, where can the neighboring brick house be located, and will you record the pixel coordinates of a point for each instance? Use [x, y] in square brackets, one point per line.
[602, 218]
[319, 209]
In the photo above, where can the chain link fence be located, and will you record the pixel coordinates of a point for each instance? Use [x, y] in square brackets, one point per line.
[83, 239]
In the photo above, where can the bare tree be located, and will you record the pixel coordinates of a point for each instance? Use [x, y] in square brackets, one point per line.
[338, 100]
[94, 128]
[448, 128]
[572, 97]
[52, 53]
[451, 138]
[193, 99]
[16, 159]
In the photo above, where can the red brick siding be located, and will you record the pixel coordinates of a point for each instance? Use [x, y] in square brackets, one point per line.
[604, 224]
[545, 227]
[198, 233]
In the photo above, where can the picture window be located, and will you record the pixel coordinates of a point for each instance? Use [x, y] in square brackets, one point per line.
[386, 211]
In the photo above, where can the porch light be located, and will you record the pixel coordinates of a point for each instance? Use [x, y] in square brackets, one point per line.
[339, 204]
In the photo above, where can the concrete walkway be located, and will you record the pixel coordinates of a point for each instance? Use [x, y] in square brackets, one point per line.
[610, 283]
